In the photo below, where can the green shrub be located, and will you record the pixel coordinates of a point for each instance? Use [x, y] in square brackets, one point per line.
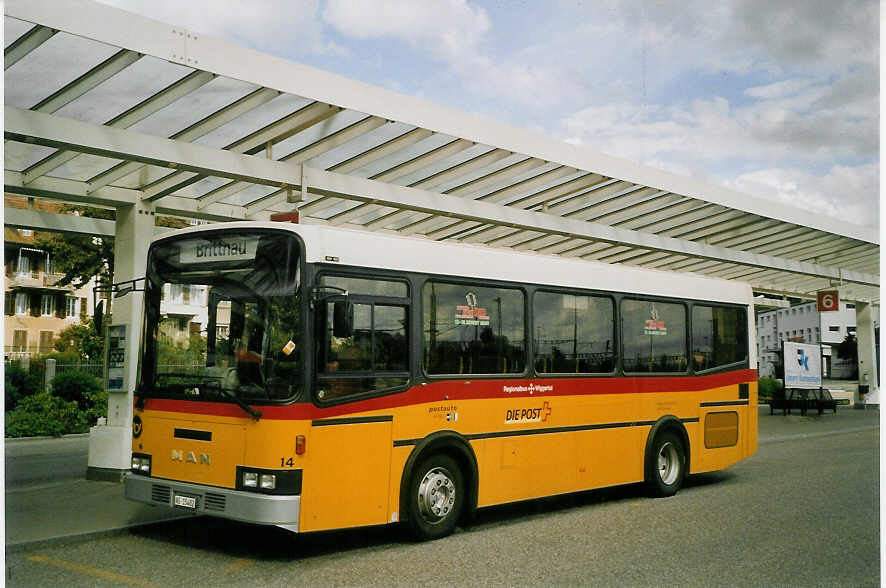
[45, 415]
[76, 386]
[769, 387]
[75, 403]
[18, 383]
[85, 390]
[61, 357]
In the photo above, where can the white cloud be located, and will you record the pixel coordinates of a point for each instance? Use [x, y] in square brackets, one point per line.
[778, 89]
[768, 148]
[793, 119]
[849, 193]
[447, 29]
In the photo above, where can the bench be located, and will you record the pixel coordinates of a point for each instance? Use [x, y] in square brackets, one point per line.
[803, 400]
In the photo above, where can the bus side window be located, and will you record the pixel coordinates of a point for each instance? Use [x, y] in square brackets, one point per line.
[653, 336]
[719, 336]
[573, 333]
[471, 329]
[372, 355]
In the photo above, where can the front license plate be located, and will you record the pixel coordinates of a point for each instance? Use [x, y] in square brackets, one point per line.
[185, 501]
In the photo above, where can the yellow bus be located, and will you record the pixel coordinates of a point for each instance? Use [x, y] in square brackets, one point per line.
[318, 378]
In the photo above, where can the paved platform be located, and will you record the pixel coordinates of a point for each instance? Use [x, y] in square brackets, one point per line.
[42, 510]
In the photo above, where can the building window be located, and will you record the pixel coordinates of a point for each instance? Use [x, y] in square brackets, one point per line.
[850, 306]
[21, 303]
[19, 340]
[47, 304]
[71, 306]
[24, 264]
[834, 328]
[46, 341]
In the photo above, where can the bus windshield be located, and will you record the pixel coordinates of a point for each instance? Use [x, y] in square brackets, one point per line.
[222, 318]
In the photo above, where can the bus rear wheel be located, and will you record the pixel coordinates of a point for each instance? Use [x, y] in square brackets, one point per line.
[666, 465]
[436, 497]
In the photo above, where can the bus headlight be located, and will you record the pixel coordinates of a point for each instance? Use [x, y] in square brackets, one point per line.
[141, 463]
[265, 481]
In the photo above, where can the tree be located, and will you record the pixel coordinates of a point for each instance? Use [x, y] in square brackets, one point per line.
[81, 339]
[83, 257]
[848, 350]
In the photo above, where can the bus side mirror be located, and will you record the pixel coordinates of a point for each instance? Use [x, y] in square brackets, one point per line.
[342, 319]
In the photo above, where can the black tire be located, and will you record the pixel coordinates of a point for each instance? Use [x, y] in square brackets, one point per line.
[435, 497]
[665, 465]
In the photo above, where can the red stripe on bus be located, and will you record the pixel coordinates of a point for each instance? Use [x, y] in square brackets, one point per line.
[453, 390]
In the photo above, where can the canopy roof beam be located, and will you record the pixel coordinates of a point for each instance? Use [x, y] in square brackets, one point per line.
[22, 46]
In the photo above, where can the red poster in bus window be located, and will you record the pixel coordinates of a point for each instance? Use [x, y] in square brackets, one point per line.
[470, 313]
[654, 325]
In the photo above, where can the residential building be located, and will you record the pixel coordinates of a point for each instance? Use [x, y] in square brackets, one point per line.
[37, 309]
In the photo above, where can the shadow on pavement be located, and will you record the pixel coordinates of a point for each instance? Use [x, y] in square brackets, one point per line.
[269, 543]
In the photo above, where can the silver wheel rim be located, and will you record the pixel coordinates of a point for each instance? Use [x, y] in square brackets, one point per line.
[668, 463]
[436, 495]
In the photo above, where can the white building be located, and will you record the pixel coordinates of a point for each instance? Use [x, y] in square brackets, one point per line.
[804, 324]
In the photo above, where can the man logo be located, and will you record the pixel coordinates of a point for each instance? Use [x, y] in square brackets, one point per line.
[191, 457]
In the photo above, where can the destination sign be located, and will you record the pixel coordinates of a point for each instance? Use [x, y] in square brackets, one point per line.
[229, 249]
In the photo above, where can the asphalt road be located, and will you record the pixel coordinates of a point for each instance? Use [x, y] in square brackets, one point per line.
[802, 512]
[33, 462]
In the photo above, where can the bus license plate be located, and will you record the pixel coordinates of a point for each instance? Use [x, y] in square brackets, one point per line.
[185, 501]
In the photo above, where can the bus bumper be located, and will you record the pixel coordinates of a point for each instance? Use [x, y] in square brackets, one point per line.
[209, 500]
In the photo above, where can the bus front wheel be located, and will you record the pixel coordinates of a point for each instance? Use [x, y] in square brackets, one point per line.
[666, 465]
[436, 497]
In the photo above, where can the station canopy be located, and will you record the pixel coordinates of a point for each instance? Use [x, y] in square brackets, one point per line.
[107, 108]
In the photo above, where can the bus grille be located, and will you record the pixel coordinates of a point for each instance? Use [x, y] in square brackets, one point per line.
[214, 502]
[161, 494]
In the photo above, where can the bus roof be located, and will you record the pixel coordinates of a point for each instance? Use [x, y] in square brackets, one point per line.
[350, 247]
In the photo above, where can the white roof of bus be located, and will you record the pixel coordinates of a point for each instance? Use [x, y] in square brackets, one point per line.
[394, 252]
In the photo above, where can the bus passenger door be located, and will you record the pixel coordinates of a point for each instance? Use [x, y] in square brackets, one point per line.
[347, 474]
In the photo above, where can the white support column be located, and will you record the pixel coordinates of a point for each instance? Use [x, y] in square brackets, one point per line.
[110, 445]
[867, 360]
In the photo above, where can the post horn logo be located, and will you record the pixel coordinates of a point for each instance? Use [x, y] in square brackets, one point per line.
[136, 427]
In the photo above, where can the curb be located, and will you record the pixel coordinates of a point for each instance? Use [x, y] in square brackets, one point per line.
[47, 438]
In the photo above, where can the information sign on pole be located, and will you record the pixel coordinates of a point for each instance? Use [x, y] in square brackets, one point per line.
[828, 300]
[802, 365]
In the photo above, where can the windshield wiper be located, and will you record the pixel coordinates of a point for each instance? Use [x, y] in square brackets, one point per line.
[208, 383]
[255, 414]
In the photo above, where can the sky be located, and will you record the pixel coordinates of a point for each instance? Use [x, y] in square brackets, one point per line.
[775, 98]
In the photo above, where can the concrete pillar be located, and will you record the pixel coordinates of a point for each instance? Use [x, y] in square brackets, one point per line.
[110, 445]
[864, 334]
[48, 374]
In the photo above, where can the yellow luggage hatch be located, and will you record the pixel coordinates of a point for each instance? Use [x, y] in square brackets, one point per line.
[197, 451]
